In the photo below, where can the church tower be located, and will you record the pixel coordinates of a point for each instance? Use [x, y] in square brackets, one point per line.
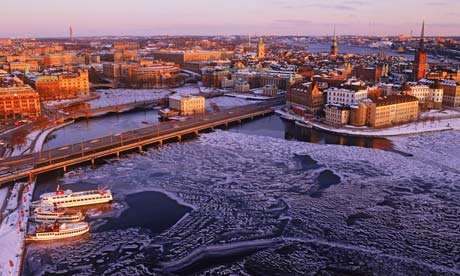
[334, 46]
[420, 64]
[260, 48]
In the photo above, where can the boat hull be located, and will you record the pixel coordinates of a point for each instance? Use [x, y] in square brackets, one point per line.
[79, 203]
[62, 219]
[63, 234]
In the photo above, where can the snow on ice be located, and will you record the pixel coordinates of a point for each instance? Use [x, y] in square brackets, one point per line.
[335, 209]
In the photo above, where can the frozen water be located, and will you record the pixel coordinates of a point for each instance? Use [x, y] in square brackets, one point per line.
[323, 209]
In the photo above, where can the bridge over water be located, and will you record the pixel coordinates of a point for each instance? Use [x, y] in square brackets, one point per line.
[114, 108]
[28, 166]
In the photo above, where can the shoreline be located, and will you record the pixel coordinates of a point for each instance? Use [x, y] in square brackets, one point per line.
[421, 127]
[376, 133]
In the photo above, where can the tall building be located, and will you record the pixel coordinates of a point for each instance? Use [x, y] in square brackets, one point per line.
[334, 46]
[19, 102]
[261, 48]
[420, 63]
[71, 33]
[63, 86]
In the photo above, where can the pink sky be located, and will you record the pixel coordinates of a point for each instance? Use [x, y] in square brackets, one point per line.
[219, 17]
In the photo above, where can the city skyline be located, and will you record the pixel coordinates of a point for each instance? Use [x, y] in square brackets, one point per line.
[51, 18]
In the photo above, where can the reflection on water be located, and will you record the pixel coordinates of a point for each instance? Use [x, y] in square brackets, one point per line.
[84, 129]
[273, 126]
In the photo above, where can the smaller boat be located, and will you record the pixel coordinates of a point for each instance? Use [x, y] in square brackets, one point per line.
[46, 214]
[58, 231]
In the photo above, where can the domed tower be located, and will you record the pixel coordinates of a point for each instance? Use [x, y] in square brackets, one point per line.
[420, 59]
[260, 48]
[334, 46]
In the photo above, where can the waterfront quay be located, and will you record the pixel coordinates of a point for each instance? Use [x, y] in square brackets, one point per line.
[15, 168]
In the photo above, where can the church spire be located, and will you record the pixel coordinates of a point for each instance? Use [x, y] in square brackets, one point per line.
[334, 46]
[261, 48]
[422, 37]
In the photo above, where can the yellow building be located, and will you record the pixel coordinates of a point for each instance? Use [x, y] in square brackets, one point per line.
[451, 95]
[19, 102]
[187, 105]
[74, 84]
[392, 110]
[63, 86]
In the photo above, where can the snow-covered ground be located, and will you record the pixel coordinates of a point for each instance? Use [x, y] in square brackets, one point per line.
[112, 97]
[13, 231]
[227, 102]
[248, 96]
[335, 210]
[441, 121]
[3, 195]
[25, 148]
[406, 129]
[440, 113]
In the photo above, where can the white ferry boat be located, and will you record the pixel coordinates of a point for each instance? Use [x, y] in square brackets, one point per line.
[44, 214]
[56, 231]
[72, 199]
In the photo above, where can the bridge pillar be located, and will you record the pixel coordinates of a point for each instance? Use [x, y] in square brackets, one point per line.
[140, 148]
[239, 121]
[160, 142]
[179, 137]
[226, 125]
[92, 163]
[65, 169]
[196, 133]
[118, 154]
[252, 117]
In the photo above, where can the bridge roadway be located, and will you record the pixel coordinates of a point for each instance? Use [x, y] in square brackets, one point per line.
[20, 167]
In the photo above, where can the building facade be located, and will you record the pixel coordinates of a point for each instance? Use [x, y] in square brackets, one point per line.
[346, 96]
[306, 95]
[242, 87]
[451, 96]
[155, 76]
[392, 110]
[337, 115]
[429, 96]
[61, 59]
[270, 90]
[19, 103]
[212, 77]
[63, 86]
[187, 105]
